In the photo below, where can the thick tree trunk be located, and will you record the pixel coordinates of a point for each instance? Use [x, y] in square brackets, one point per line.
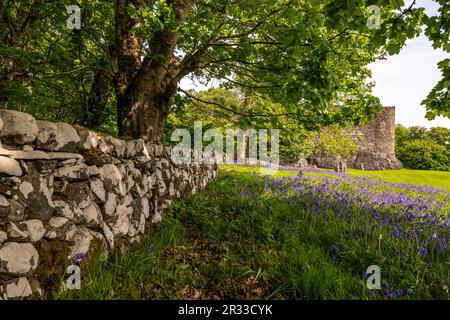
[146, 85]
[143, 115]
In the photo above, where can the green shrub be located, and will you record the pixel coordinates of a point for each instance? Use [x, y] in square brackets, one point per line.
[424, 155]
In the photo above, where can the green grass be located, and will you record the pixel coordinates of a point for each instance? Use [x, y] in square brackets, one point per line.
[237, 240]
[436, 179]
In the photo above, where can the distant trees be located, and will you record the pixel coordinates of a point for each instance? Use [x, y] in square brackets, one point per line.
[225, 109]
[422, 148]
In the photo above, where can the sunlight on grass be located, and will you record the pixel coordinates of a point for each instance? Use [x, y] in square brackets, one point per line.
[436, 179]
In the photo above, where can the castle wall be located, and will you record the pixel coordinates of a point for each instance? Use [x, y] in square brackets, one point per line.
[379, 134]
[376, 142]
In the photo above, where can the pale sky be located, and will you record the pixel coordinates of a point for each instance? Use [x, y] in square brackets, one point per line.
[405, 80]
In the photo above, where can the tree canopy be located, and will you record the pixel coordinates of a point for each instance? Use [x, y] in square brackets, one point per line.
[124, 65]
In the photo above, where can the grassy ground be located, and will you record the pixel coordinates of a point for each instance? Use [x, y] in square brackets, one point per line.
[436, 179]
[247, 237]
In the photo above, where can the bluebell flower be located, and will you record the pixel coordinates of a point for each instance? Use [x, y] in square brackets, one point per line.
[79, 257]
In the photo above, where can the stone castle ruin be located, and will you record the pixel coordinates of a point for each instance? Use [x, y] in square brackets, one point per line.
[376, 142]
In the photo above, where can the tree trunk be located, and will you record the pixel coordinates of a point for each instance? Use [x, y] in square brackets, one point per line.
[100, 90]
[146, 85]
[143, 115]
[242, 148]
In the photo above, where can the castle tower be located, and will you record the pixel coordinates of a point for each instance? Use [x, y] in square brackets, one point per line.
[377, 146]
[379, 134]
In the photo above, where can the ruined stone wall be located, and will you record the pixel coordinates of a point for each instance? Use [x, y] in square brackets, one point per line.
[379, 135]
[65, 193]
[376, 143]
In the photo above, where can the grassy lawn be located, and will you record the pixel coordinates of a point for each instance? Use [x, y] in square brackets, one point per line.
[305, 237]
[436, 179]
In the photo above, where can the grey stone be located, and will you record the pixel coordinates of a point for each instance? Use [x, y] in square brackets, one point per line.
[10, 167]
[57, 228]
[3, 237]
[120, 147]
[112, 178]
[111, 204]
[98, 189]
[25, 154]
[137, 148]
[108, 235]
[39, 206]
[18, 258]
[77, 172]
[58, 222]
[18, 127]
[34, 228]
[145, 208]
[93, 171]
[79, 195]
[124, 211]
[81, 240]
[26, 188]
[105, 144]
[63, 209]
[92, 215]
[88, 140]
[18, 288]
[110, 175]
[57, 136]
[376, 146]
[64, 156]
[15, 233]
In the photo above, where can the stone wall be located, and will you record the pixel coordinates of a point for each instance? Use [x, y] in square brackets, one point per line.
[376, 143]
[65, 193]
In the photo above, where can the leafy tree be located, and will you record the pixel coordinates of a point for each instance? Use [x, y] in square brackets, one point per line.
[441, 136]
[53, 72]
[424, 155]
[438, 31]
[424, 149]
[225, 109]
[401, 135]
[335, 141]
[312, 56]
[418, 133]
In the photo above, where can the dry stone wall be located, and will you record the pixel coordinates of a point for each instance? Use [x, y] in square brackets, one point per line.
[65, 193]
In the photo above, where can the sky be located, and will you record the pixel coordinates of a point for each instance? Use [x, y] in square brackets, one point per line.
[405, 80]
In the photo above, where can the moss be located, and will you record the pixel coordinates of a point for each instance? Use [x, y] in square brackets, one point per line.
[53, 262]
